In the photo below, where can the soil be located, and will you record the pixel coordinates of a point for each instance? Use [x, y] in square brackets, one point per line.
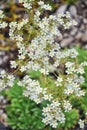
[2, 127]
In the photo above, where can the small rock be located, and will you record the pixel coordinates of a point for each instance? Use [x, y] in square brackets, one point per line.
[85, 21]
[2, 53]
[66, 42]
[73, 10]
[79, 36]
[5, 58]
[1, 112]
[84, 37]
[74, 31]
[60, 38]
[85, 46]
[1, 61]
[82, 28]
[3, 119]
[2, 127]
[66, 35]
[61, 9]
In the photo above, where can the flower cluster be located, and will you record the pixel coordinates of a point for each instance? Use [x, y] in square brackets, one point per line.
[44, 6]
[53, 114]
[33, 90]
[62, 20]
[27, 4]
[2, 23]
[73, 86]
[6, 80]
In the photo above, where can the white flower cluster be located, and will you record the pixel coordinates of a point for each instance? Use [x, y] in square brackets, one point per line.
[14, 26]
[73, 86]
[53, 114]
[65, 20]
[44, 6]
[71, 67]
[6, 80]
[2, 23]
[34, 91]
[27, 4]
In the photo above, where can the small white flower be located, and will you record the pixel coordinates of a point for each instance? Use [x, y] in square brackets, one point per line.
[3, 24]
[10, 80]
[81, 124]
[23, 68]
[80, 70]
[13, 64]
[44, 71]
[2, 74]
[67, 106]
[69, 64]
[59, 81]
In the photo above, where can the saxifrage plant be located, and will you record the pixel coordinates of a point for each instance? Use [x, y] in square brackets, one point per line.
[61, 76]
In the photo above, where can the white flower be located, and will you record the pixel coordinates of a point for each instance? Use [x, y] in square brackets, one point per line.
[81, 124]
[41, 3]
[19, 38]
[2, 74]
[13, 64]
[67, 106]
[21, 57]
[22, 23]
[3, 24]
[27, 5]
[44, 71]
[23, 68]
[44, 6]
[10, 80]
[69, 64]
[59, 81]
[80, 70]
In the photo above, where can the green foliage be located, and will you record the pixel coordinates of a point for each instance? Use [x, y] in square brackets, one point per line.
[71, 120]
[23, 114]
[82, 54]
[35, 74]
[71, 1]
